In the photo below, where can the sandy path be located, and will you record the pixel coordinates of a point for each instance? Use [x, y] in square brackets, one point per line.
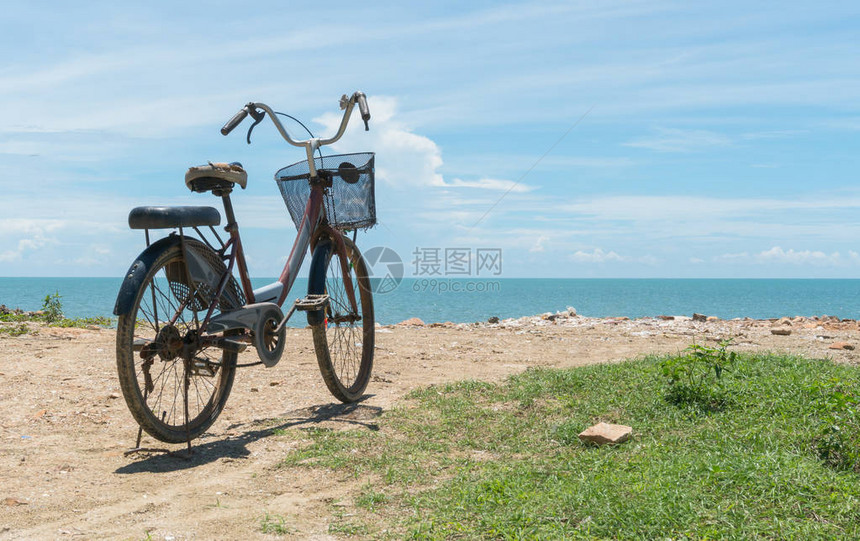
[64, 425]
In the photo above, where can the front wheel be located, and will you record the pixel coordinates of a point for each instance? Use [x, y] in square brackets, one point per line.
[343, 337]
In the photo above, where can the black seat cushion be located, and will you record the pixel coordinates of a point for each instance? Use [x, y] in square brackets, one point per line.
[168, 217]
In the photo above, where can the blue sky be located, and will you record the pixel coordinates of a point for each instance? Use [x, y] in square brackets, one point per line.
[720, 140]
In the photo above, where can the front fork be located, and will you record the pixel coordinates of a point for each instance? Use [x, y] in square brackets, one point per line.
[345, 263]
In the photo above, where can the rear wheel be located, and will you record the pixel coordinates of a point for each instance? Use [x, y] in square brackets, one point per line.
[343, 337]
[159, 364]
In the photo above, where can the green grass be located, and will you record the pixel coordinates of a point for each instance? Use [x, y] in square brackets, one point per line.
[51, 314]
[475, 460]
[23, 328]
[275, 524]
[15, 330]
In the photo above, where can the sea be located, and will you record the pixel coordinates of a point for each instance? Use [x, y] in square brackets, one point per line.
[468, 300]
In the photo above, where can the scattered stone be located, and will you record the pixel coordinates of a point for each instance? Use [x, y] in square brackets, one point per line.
[12, 502]
[666, 318]
[785, 321]
[700, 317]
[713, 318]
[494, 319]
[113, 395]
[780, 332]
[603, 433]
[841, 345]
[412, 322]
[571, 311]
[39, 414]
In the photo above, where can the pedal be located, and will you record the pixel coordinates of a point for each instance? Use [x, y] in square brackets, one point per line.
[312, 303]
[199, 367]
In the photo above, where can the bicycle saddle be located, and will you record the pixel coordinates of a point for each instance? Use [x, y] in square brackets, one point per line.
[204, 178]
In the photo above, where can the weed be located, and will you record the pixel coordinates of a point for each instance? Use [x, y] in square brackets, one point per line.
[275, 524]
[82, 322]
[52, 308]
[838, 442]
[695, 378]
[16, 330]
[52, 314]
[370, 499]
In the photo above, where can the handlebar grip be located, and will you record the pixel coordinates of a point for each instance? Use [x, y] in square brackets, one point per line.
[365, 110]
[235, 121]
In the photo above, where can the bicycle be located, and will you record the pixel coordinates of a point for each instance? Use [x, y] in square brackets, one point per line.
[184, 317]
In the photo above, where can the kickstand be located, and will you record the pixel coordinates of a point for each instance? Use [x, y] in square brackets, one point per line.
[188, 452]
[187, 384]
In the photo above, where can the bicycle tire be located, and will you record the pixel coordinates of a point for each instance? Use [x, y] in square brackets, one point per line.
[345, 367]
[160, 411]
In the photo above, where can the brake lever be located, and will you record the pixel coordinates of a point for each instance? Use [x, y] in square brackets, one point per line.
[258, 117]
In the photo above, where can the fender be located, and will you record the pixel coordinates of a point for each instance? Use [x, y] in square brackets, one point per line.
[137, 273]
[203, 264]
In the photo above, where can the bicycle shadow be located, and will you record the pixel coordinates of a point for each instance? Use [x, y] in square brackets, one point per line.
[236, 447]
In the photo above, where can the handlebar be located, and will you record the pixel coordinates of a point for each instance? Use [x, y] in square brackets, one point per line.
[259, 110]
[362, 107]
[236, 120]
[346, 103]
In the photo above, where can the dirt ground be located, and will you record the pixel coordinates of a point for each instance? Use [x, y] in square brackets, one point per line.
[64, 424]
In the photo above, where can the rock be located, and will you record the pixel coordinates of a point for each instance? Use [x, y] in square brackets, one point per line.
[780, 332]
[571, 311]
[700, 317]
[603, 433]
[494, 319]
[666, 318]
[785, 321]
[713, 318]
[113, 395]
[411, 322]
[841, 345]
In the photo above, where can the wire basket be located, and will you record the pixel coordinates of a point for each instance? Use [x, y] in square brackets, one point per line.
[350, 201]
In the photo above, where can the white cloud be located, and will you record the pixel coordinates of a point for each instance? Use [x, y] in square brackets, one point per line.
[800, 257]
[596, 256]
[675, 140]
[739, 256]
[539, 244]
[37, 240]
[405, 159]
[489, 184]
[778, 255]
